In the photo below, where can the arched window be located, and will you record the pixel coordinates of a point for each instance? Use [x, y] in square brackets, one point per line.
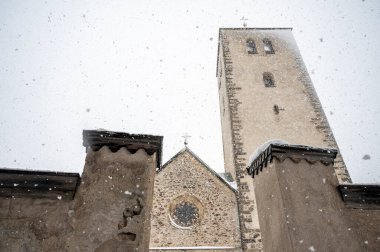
[268, 80]
[251, 47]
[268, 48]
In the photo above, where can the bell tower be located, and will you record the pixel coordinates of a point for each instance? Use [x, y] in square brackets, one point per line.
[265, 93]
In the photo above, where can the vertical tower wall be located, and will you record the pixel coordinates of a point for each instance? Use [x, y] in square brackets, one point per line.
[252, 113]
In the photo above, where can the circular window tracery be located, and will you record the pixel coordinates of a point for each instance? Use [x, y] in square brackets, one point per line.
[185, 211]
[185, 214]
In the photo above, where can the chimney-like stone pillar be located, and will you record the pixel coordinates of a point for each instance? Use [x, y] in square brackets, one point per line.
[300, 207]
[113, 203]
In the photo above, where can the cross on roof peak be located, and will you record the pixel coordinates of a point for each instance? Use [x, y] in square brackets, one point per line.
[186, 136]
[244, 19]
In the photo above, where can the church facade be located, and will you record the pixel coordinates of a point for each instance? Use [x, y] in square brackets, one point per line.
[194, 208]
[286, 187]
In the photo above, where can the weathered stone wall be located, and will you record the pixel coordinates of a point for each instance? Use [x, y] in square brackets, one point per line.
[34, 224]
[110, 212]
[186, 179]
[253, 120]
[112, 208]
[224, 96]
[300, 209]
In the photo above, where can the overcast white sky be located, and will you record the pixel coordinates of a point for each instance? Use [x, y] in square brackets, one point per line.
[149, 67]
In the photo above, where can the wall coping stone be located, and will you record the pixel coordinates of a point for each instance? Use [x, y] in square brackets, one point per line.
[96, 139]
[294, 152]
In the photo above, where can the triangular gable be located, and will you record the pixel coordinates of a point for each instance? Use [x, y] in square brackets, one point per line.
[186, 149]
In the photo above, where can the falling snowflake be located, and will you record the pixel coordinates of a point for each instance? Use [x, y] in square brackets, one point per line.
[366, 157]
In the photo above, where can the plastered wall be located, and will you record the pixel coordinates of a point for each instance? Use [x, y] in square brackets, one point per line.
[300, 209]
[110, 211]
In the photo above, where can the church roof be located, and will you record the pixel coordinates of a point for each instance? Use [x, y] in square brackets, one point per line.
[362, 196]
[186, 149]
[38, 184]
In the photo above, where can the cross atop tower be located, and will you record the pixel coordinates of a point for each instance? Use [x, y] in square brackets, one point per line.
[186, 136]
[244, 19]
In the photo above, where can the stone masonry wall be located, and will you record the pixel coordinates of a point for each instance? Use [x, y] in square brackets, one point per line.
[249, 225]
[223, 77]
[320, 122]
[185, 179]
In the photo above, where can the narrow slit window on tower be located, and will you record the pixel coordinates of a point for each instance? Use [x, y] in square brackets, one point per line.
[268, 80]
[268, 48]
[251, 47]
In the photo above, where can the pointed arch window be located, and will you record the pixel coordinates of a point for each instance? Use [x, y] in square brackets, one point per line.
[268, 80]
[251, 47]
[268, 47]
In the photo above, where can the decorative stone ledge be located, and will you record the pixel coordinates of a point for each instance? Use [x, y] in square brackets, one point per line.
[364, 196]
[294, 152]
[96, 139]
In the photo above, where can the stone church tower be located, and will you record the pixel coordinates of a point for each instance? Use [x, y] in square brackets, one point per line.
[265, 93]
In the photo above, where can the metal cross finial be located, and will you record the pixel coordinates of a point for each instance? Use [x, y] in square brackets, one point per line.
[186, 136]
[244, 19]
